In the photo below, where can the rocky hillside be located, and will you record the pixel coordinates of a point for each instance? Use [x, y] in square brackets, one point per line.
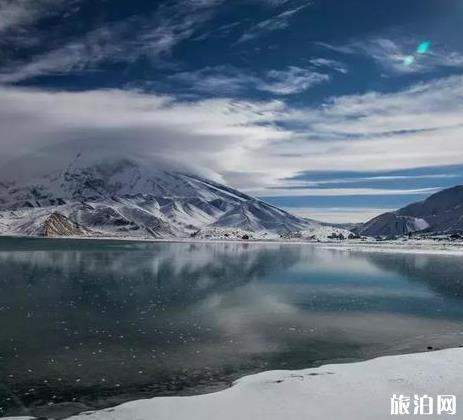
[440, 213]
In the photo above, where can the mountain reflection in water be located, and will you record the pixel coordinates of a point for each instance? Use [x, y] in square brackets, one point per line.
[88, 324]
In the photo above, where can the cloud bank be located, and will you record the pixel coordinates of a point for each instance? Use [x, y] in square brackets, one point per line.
[254, 145]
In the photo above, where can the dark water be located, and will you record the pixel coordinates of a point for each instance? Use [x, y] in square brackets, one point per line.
[89, 324]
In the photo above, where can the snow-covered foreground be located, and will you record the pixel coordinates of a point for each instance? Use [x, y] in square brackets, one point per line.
[355, 391]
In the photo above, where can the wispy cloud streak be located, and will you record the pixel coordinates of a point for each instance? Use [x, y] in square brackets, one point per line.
[225, 80]
[398, 55]
[124, 41]
[275, 23]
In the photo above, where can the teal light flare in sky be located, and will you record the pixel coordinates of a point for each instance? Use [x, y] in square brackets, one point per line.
[409, 60]
[423, 47]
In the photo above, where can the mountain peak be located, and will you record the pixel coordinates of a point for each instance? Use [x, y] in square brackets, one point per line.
[441, 212]
[135, 198]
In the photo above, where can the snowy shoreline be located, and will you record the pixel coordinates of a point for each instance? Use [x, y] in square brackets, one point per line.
[425, 246]
[405, 247]
[352, 391]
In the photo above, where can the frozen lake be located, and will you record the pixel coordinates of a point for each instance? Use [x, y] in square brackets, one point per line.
[88, 324]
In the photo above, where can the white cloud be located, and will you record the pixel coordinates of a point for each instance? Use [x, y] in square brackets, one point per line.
[393, 56]
[253, 145]
[18, 13]
[273, 2]
[292, 80]
[417, 127]
[354, 180]
[209, 133]
[338, 214]
[278, 22]
[84, 53]
[339, 192]
[150, 36]
[331, 64]
[227, 80]
[398, 55]
[221, 80]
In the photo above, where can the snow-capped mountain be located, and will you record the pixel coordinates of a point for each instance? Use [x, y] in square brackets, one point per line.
[129, 198]
[442, 212]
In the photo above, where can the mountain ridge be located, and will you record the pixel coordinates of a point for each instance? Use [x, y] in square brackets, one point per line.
[126, 198]
[440, 213]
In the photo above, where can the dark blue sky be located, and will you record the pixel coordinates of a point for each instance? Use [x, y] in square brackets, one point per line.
[337, 108]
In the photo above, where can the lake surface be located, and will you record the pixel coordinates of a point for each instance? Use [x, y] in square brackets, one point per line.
[89, 324]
